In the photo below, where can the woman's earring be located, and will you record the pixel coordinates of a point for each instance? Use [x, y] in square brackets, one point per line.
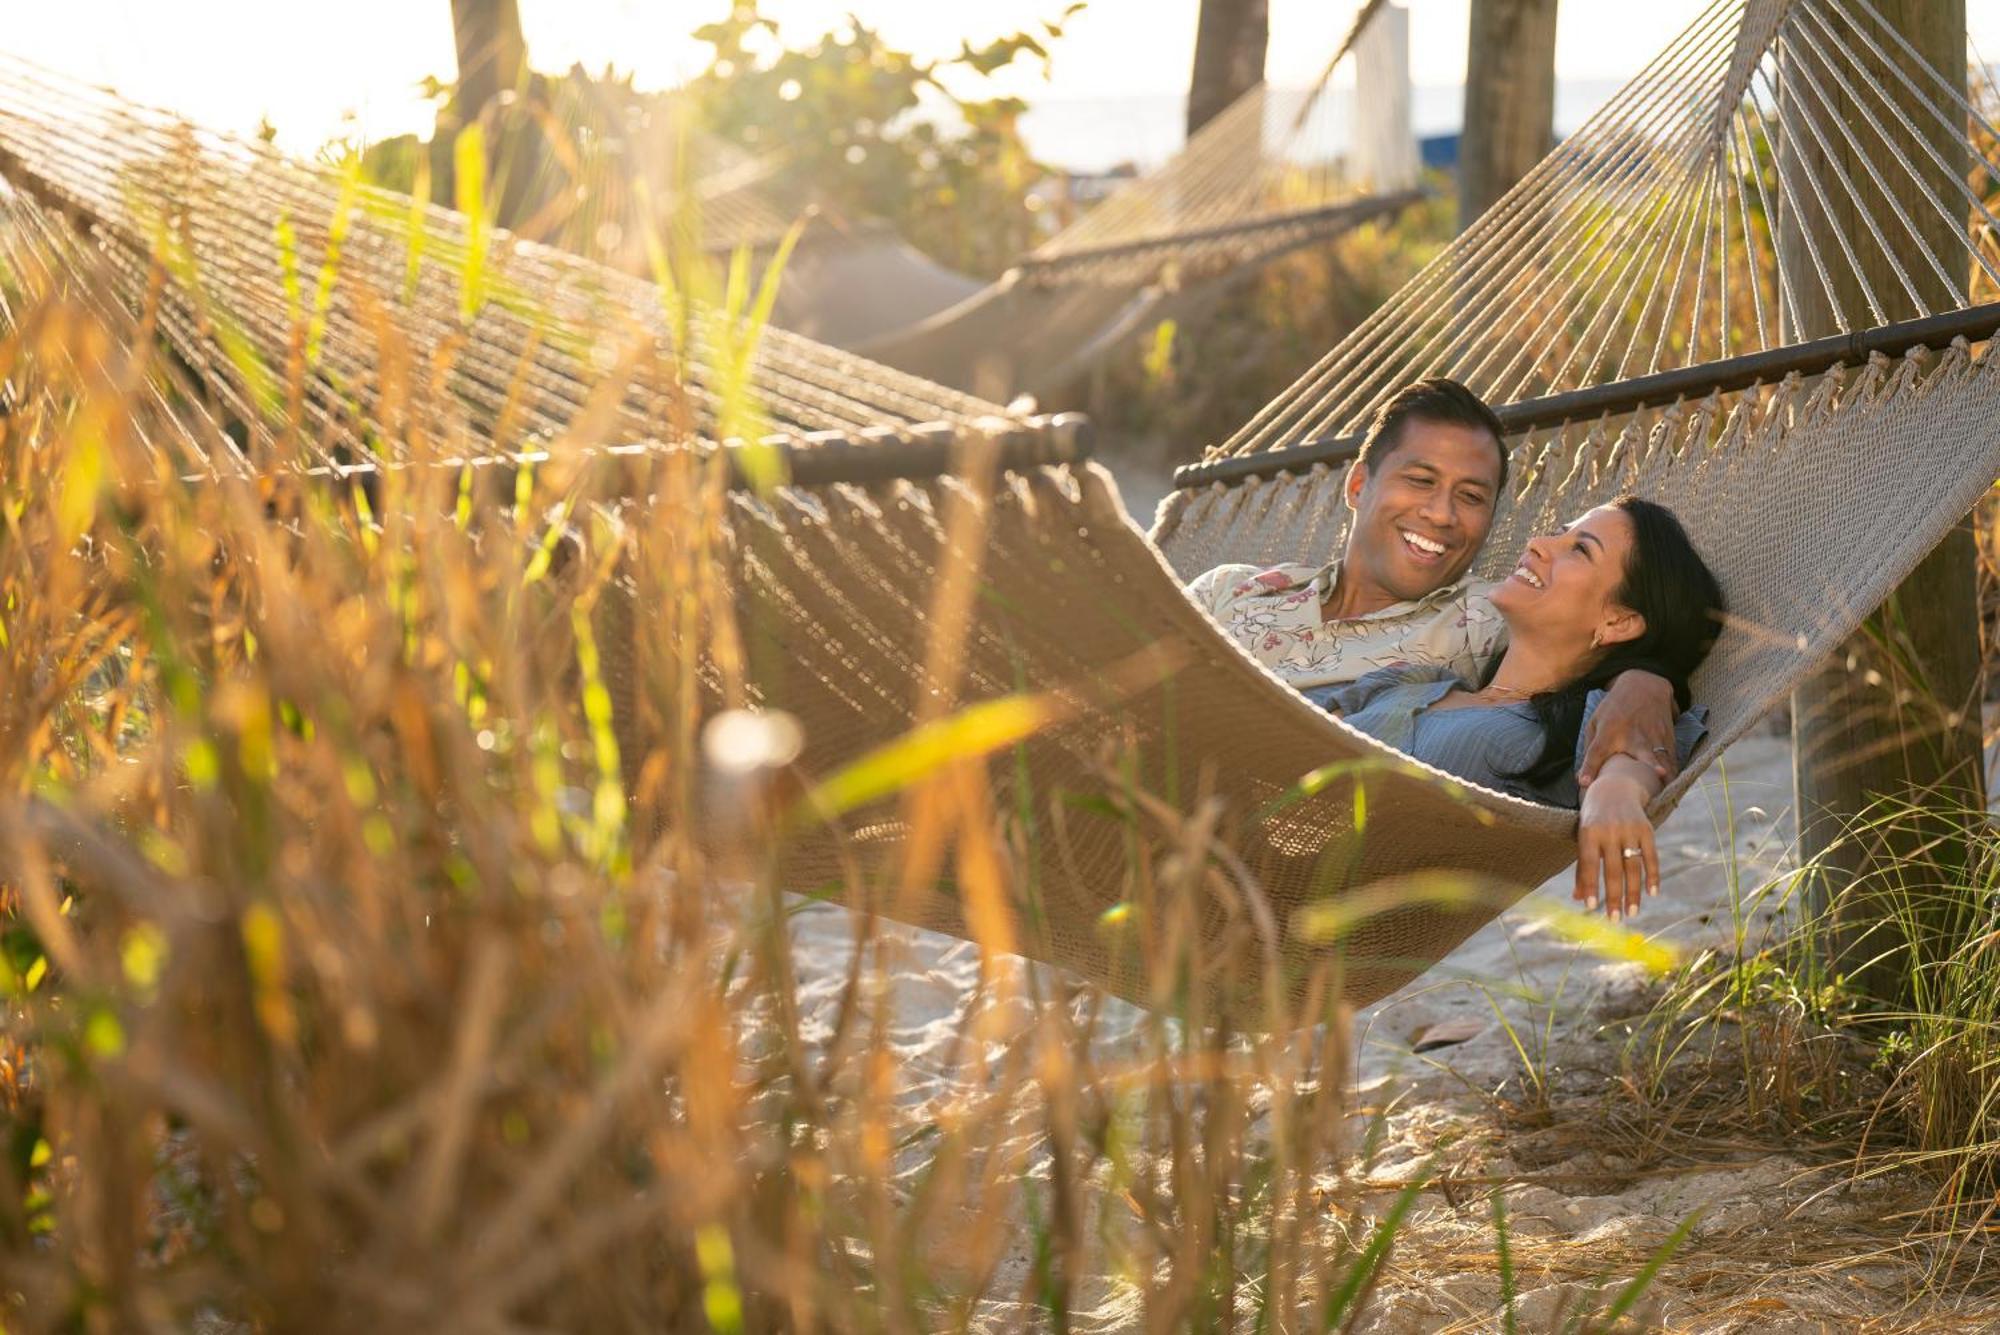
[1597, 639]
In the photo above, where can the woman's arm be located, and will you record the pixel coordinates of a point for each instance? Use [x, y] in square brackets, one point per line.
[1613, 820]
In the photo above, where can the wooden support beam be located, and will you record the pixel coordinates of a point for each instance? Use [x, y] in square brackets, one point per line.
[1510, 99]
[1813, 357]
[1231, 38]
[1894, 715]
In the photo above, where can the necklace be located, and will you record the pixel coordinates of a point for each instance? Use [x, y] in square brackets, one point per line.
[1502, 693]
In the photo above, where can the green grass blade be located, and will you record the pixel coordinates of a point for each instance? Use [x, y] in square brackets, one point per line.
[469, 163]
[1361, 1273]
[1635, 1288]
[973, 732]
[1505, 1252]
[1606, 939]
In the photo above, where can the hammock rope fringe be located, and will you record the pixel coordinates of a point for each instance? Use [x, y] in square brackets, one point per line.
[1637, 248]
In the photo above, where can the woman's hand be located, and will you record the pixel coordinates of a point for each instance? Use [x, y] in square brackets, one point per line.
[1613, 821]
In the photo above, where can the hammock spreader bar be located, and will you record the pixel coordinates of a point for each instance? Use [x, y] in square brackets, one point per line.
[890, 454]
[824, 458]
[1974, 324]
[1347, 213]
[1621, 396]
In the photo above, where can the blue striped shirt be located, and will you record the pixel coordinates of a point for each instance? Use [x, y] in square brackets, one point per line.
[1481, 744]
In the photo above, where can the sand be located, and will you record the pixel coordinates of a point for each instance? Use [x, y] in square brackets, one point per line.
[1777, 1222]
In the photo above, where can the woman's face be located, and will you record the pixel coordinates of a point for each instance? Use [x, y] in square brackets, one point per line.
[1563, 594]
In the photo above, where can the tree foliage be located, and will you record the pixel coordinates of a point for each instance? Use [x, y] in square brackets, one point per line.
[855, 117]
[846, 123]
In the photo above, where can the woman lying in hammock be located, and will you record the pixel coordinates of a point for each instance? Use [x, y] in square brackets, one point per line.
[1621, 585]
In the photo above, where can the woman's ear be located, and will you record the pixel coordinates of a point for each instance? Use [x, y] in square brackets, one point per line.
[1620, 625]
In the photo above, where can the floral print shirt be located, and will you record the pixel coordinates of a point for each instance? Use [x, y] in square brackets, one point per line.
[1275, 614]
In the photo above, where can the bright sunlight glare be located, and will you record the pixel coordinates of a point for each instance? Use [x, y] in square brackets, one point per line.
[234, 64]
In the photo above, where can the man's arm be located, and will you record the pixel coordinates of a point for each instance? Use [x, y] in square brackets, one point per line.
[1636, 719]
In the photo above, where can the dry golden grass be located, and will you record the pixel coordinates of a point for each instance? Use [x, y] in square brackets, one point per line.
[353, 976]
[350, 983]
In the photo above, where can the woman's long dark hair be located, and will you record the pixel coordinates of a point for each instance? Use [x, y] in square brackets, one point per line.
[1668, 584]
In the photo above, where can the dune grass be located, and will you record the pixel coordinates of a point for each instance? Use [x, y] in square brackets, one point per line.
[343, 988]
[354, 973]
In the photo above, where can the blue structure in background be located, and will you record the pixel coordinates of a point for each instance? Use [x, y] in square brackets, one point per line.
[1439, 151]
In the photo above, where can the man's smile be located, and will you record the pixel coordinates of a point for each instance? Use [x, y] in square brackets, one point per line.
[1422, 548]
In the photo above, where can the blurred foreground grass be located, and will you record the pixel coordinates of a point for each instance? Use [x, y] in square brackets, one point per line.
[350, 981]
[353, 976]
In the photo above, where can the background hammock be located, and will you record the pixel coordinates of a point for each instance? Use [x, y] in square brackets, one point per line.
[1813, 497]
[1275, 171]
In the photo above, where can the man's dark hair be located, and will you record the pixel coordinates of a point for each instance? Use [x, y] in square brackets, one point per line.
[1434, 400]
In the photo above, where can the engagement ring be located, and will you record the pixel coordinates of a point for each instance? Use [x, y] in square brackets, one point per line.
[1632, 852]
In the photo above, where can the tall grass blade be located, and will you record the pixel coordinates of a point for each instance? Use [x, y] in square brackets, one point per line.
[1343, 1305]
[1606, 939]
[1635, 1288]
[973, 732]
[469, 179]
[1504, 1256]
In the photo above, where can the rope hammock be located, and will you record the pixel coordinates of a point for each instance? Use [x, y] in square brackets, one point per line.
[1697, 220]
[1272, 173]
[243, 232]
[1694, 219]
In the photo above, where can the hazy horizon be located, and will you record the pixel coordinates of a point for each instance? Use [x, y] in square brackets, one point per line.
[229, 64]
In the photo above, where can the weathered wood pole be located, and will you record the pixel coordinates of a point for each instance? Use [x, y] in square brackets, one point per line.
[1894, 714]
[491, 52]
[1510, 99]
[1231, 39]
[1385, 144]
[493, 59]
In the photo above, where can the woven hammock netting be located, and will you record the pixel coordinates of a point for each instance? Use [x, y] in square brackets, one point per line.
[1783, 170]
[1648, 240]
[239, 228]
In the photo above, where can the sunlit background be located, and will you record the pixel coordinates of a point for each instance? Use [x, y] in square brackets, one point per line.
[1112, 91]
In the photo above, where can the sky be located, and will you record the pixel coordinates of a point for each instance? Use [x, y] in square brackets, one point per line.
[319, 73]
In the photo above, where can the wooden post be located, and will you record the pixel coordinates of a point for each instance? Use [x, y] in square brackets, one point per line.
[1231, 39]
[1510, 99]
[491, 52]
[493, 59]
[1385, 144]
[1895, 713]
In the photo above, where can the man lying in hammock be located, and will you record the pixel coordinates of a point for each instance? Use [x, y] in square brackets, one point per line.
[1423, 492]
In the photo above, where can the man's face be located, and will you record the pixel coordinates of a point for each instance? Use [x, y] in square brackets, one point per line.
[1421, 516]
